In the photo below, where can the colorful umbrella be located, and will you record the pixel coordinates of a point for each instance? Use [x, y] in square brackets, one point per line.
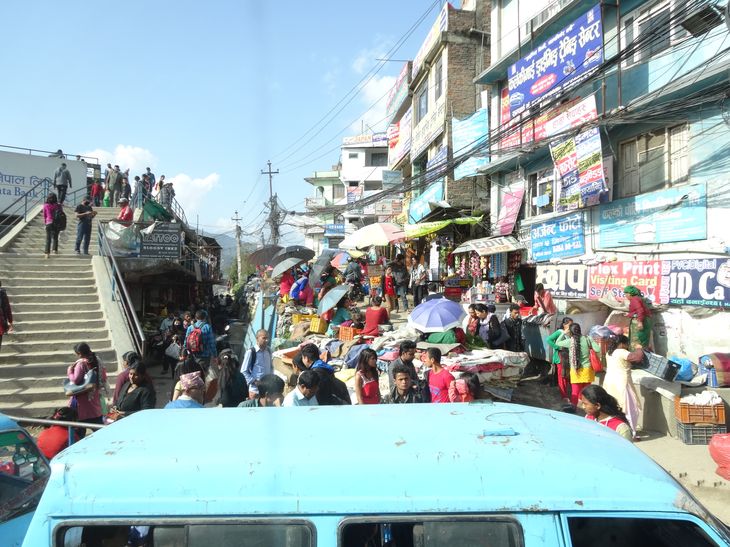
[340, 260]
[333, 296]
[437, 315]
[379, 234]
[322, 262]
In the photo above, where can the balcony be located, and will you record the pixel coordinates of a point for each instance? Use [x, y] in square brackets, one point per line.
[316, 203]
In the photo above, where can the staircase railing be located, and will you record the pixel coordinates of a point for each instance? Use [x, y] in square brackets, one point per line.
[17, 212]
[119, 291]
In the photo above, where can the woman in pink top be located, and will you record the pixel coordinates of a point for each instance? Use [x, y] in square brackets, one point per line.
[88, 404]
[49, 210]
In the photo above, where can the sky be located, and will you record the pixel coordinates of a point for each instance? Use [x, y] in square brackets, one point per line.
[205, 92]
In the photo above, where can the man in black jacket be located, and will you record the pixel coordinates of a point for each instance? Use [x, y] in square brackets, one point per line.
[332, 390]
[513, 325]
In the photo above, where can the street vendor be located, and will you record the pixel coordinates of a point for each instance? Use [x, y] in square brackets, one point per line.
[543, 301]
[641, 318]
[287, 280]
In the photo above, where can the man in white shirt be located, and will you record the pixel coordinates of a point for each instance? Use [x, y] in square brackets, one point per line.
[257, 362]
[305, 394]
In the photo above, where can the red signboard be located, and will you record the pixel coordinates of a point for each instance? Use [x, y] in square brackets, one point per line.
[610, 278]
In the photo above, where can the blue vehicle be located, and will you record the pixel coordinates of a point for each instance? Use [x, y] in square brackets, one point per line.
[427, 475]
[24, 472]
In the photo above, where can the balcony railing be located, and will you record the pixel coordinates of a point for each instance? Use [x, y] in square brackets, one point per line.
[316, 203]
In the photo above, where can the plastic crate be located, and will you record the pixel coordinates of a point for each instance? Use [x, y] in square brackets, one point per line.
[318, 326]
[348, 333]
[375, 281]
[692, 414]
[299, 317]
[698, 433]
[660, 366]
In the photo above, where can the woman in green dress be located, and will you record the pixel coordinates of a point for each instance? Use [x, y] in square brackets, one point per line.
[641, 320]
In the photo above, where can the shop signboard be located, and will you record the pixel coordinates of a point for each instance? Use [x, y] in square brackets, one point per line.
[398, 92]
[564, 280]
[558, 238]
[490, 245]
[609, 279]
[468, 134]
[334, 229]
[391, 178]
[428, 128]
[563, 61]
[696, 282]
[440, 25]
[419, 206]
[676, 214]
[374, 139]
[399, 138]
[161, 240]
[512, 197]
[579, 163]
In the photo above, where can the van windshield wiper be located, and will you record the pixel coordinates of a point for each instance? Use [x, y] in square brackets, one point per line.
[25, 501]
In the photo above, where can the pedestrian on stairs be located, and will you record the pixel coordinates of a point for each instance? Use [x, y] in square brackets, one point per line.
[84, 214]
[62, 182]
[49, 211]
[6, 315]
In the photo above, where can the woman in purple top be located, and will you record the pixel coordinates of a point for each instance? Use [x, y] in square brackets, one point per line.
[88, 404]
[49, 210]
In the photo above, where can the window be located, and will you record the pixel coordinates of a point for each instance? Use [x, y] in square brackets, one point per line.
[635, 532]
[431, 533]
[438, 84]
[338, 191]
[378, 159]
[192, 535]
[352, 155]
[540, 194]
[654, 160]
[648, 31]
[422, 102]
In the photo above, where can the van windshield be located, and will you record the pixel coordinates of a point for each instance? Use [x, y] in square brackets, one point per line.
[23, 474]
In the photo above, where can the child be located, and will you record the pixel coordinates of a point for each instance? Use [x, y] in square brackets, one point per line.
[357, 320]
[388, 284]
[96, 193]
[464, 389]
[367, 386]
[439, 378]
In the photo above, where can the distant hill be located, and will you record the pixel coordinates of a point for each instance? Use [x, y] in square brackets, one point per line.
[228, 250]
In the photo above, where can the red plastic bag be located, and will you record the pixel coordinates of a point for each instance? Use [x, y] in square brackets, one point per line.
[720, 452]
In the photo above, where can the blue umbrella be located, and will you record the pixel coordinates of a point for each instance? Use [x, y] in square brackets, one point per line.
[333, 296]
[436, 315]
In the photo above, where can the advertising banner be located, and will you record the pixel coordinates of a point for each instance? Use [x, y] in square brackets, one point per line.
[428, 128]
[579, 163]
[609, 279]
[419, 207]
[375, 139]
[676, 214]
[468, 134]
[161, 240]
[441, 24]
[511, 202]
[398, 92]
[334, 229]
[391, 179]
[564, 61]
[565, 281]
[558, 238]
[399, 138]
[696, 282]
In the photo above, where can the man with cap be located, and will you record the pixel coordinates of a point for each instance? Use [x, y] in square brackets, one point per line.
[62, 181]
[84, 214]
[193, 390]
[125, 212]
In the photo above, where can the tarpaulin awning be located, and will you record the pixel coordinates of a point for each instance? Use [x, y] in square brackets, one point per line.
[490, 245]
[425, 228]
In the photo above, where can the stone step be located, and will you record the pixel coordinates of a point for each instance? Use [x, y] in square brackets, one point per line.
[38, 409]
[80, 331]
[38, 325]
[55, 298]
[48, 269]
[18, 346]
[51, 290]
[85, 280]
[10, 260]
[66, 354]
[56, 367]
[54, 309]
[64, 249]
[43, 318]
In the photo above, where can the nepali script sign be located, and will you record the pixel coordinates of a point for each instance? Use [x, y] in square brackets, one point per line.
[558, 238]
[564, 281]
[564, 61]
[696, 282]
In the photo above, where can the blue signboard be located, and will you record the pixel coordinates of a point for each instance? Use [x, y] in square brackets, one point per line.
[696, 282]
[558, 238]
[419, 207]
[566, 59]
[677, 214]
[468, 134]
[334, 229]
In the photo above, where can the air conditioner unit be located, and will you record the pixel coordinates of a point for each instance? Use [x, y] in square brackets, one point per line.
[702, 20]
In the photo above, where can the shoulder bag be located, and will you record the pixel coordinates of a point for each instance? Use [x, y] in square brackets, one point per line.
[89, 383]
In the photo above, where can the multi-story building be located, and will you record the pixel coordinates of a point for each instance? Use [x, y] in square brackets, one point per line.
[324, 229]
[608, 155]
[432, 92]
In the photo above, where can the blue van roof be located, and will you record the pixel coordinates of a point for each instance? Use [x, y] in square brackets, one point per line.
[361, 459]
[7, 423]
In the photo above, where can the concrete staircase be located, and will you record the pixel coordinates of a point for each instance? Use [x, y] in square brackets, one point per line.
[56, 304]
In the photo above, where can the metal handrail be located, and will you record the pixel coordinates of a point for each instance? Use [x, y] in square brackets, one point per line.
[174, 205]
[17, 212]
[105, 249]
[49, 153]
[70, 426]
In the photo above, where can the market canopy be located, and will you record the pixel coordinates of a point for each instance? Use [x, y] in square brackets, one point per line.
[490, 245]
[425, 228]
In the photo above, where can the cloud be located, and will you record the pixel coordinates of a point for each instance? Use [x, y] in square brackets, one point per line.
[190, 192]
[366, 58]
[374, 95]
[134, 158]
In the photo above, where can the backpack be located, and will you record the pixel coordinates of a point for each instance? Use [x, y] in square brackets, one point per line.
[59, 220]
[251, 360]
[194, 342]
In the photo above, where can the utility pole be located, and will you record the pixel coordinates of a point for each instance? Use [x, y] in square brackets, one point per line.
[273, 212]
[236, 219]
